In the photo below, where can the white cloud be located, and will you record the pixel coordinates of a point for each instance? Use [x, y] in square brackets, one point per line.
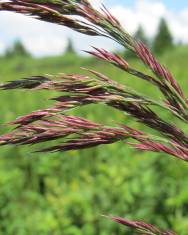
[43, 44]
[39, 37]
[144, 12]
[148, 13]
[178, 25]
[44, 38]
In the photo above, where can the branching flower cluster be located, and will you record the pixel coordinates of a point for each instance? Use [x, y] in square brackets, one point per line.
[141, 227]
[77, 90]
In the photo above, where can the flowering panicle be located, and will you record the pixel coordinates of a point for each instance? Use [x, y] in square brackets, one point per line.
[73, 132]
[142, 227]
[169, 87]
[85, 90]
[78, 133]
[156, 144]
[175, 98]
[103, 23]
[110, 57]
[41, 126]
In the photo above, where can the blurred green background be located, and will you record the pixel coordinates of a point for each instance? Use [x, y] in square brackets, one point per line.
[66, 193]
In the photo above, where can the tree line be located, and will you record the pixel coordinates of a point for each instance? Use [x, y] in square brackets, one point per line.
[162, 42]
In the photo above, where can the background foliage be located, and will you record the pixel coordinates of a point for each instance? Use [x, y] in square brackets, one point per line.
[66, 193]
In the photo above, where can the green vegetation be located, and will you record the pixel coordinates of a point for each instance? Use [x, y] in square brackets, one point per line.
[163, 41]
[140, 35]
[65, 193]
[70, 47]
[17, 49]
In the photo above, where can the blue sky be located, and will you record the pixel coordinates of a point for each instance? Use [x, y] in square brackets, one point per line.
[37, 36]
[173, 4]
[176, 4]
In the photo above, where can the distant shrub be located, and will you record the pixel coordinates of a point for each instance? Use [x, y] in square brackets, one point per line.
[70, 47]
[163, 40]
[17, 50]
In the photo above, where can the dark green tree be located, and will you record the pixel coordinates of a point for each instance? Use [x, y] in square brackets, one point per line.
[17, 49]
[70, 47]
[163, 40]
[140, 35]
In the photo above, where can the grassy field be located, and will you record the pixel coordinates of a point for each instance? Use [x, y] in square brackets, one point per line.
[66, 193]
